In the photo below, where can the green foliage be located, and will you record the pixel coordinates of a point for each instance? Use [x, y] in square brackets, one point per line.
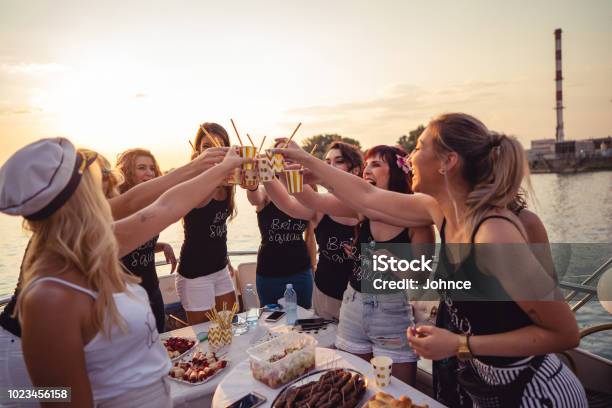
[323, 141]
[409, 142]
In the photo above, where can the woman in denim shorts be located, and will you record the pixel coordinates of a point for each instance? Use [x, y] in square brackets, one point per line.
[375, 324]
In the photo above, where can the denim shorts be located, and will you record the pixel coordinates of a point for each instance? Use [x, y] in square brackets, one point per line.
[376, 324]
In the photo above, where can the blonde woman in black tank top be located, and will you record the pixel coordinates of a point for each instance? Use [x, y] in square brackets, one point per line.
[468, 176]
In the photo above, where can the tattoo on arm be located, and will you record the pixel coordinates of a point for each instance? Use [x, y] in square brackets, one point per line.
[144, 216]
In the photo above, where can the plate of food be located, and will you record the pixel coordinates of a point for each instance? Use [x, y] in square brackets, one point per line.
[199, 369]
[341, 387]
[178, 347]
[384, 400]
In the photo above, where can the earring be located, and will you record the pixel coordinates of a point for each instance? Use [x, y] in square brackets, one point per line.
[442, 171]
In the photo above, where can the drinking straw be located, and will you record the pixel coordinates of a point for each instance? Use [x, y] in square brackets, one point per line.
[293, 134]
[191, 144]
[250, 140]
[236, 130]
[212, 139]
[261, 146]
[314, 148]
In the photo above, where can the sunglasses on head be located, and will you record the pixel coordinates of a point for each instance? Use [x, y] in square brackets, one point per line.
[87, 159]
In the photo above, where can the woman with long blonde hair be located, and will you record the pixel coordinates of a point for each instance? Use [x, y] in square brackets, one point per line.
[467, 178]
[139, 166]
[105, 347]
[12, 365]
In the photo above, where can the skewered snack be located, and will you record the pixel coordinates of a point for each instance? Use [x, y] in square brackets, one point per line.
[384, 400]
[176, 346]
[336, 388]
[199, 369]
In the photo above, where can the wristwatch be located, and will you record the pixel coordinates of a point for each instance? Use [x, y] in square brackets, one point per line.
[463, 351]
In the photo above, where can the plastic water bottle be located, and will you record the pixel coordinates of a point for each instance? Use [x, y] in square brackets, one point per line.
[249, 299]
[291, 304]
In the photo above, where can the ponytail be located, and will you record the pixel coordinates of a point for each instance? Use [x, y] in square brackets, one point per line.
[493, 164]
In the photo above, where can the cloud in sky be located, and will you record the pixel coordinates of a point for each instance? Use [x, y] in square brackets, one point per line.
[401, 106]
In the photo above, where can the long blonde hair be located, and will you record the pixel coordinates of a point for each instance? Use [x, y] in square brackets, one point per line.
[493, 164]
[79, 236]
[114, 177]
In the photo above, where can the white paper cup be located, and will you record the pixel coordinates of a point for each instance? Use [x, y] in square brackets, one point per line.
[382, 370]
[295, 181]
[264, 168]
[277, 161]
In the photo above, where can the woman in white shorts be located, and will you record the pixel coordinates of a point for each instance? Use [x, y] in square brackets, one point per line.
[204, 279]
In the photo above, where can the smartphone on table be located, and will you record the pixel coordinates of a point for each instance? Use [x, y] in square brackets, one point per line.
[250, 400]
[275, 316]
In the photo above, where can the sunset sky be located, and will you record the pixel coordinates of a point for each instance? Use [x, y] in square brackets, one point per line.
[114, 75]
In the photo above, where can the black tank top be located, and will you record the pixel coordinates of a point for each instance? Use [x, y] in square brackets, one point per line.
[477, 317]
[282, 251]
[334, 267]
[141, 262]
[204, 249]
[365, 237]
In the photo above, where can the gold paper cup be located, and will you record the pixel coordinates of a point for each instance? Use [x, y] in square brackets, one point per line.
[248, 152]
[233, 178]
[277, 161]
[295, 181]
[264, 168]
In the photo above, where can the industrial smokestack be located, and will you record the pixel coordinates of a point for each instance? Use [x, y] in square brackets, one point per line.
[558, 79]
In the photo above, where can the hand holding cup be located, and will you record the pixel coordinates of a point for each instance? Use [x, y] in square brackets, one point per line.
[211, 157]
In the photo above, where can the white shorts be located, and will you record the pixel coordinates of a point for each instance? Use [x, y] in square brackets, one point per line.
[199, 294]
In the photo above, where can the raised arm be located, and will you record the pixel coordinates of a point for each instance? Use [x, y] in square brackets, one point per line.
[145, 193]
[171, 206]
[286, 203]
[414, 210]
[325, 203]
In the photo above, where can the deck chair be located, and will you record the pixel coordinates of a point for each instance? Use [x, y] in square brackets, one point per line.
[245, 275]
[175, 314]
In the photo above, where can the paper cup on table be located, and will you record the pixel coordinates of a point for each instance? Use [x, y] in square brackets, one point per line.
[219, 337]
[248, 152]
[295, 181]
[382, 370]
[276, 159]
[264, 168]
[250, 177]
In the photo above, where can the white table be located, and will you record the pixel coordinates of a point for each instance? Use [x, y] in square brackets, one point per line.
[239, 381]
[186, 396]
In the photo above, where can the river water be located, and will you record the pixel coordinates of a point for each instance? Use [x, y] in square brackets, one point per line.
[574, 208]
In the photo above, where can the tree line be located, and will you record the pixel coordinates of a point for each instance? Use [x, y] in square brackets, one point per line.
[406, 142]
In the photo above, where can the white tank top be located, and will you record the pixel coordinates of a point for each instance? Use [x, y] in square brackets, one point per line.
[128, 360]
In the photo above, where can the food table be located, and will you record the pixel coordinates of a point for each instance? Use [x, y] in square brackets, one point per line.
[200, 395]
[239, 381]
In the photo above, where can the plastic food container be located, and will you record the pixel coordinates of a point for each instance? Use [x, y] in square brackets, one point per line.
[283, 359]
